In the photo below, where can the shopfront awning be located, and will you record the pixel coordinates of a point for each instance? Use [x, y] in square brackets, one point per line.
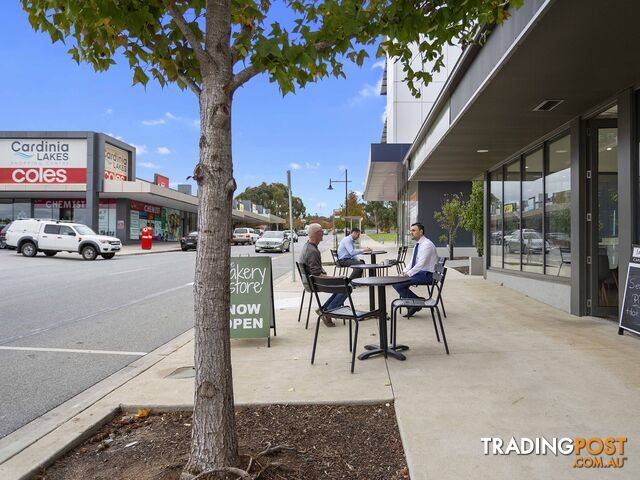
[147, 192]
[384, 171]
[578, 51]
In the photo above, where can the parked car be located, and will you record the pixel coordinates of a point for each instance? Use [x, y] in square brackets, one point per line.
[255, 236]
[302, 233]
[496, 238]
[292, 235]
[31, 236]
[3, 235]
[189, 242]
[242, 236]
[560, 240]
[273, 241]
[532, 241]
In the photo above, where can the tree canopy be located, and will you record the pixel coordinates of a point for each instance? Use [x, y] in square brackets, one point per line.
[275, 197]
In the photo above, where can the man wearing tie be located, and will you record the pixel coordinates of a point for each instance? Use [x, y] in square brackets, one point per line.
[420, 269]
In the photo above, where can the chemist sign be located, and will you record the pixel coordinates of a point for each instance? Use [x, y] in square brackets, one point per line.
[251, 297]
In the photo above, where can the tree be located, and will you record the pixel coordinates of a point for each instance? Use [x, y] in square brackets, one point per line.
[450, 218]
[275, 197]
[382, 214]
[473, 215]
[214, 47]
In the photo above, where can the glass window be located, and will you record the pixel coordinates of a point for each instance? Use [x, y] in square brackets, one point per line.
[21, 209]
[44, 209]
[495, 219]
[533, 244]
[65, 230]
[557, 185]
[107, 218]
[6, 211]
[80, 215]
[511, 242]
[52, 229]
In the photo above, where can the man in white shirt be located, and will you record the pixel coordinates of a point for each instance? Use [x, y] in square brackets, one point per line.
[421, 267]
[349, 255]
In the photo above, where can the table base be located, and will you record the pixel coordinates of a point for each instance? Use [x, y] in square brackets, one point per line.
[373, 350]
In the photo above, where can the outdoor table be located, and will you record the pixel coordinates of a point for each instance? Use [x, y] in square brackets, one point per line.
[371, 268]
[383, 348]
[373, 254]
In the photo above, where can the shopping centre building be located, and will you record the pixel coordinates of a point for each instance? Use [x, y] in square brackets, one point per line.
[90, 178]
[546, 114]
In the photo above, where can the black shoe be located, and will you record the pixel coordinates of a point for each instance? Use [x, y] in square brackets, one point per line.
[411, 312]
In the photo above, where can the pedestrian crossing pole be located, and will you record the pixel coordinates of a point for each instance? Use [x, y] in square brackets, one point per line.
[293, 254]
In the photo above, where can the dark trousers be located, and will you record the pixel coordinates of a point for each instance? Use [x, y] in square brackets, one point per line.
[420, 278]
[355, 272]
[335, 301]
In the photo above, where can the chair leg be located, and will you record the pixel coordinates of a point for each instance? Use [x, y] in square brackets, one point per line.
[444, 337]
[355, 348]
[350, 337]
[301, 305]
[315, 341]
[394, 327]
[442, 305]
[433, 317]
[309, 311]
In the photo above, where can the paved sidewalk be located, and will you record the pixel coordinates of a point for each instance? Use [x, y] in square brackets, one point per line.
[517, 368]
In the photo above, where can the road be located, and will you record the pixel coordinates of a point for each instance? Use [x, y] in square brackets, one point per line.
[66, 324]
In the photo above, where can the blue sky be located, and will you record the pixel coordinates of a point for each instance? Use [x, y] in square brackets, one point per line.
[317, 132]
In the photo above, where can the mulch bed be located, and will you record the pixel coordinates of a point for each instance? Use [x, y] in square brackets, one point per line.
[331, 442]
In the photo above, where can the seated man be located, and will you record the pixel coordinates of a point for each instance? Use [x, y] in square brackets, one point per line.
[310, 256]
[348, 254]
[420, 269]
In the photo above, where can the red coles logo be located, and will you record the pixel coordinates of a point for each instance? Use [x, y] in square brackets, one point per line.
[38, 175]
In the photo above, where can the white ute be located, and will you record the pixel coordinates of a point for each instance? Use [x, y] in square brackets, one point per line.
[30, 236]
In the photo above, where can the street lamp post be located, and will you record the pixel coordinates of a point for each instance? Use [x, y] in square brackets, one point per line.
[346, 182]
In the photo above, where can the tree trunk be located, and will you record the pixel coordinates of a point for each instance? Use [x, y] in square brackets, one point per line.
[450, 247]
[213, 439]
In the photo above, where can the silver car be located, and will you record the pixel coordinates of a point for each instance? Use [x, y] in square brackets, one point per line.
[273, 241]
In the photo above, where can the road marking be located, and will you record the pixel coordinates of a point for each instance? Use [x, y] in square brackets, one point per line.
[73, 350]
[130, 271]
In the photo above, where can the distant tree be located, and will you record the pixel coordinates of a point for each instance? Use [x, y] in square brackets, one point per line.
[213, 48]
[473, 215]
[381, 214]
[275, 197]
[450, 218]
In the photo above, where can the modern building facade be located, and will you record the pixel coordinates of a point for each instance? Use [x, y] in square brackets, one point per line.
[90, 178]
[546, 113]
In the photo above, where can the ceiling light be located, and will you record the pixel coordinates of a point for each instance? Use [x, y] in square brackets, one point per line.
[561, 151]
[482, 151]
[547, 105]
[609, 149]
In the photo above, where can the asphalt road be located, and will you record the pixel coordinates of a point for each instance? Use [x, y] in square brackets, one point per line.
[66, 323]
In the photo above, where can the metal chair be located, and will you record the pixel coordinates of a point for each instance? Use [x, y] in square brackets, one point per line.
[439, 268]
[304, 278]
[565, 258]
[430, 303]
[341, 270]
[338, 285]
[398, 261]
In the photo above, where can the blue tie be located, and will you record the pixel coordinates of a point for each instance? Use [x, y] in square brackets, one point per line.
[415, 255]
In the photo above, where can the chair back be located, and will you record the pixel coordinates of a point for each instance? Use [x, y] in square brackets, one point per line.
[303, 271]
[404, 252]
[438, 280]
[334, 256]
[331, 285]
[442, 260]
[399, 256]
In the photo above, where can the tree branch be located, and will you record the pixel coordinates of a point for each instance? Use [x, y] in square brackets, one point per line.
[186, 31]
[190, 83]
[242, 77]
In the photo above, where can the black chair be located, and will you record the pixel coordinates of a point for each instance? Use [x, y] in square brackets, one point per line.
[565, 258]
[398, 262]
[341, 270]
[337, 285]
[304, 278]
[430, 303]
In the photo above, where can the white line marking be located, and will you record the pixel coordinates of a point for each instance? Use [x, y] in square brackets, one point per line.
[72, 350]
[130, 271]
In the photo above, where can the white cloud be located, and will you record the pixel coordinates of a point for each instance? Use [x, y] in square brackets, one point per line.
[170, 116]
[321, 205]
[108, 111]
[140, 149]
[149, 165]
[366, 92]
[383, 117]
[117, 137]
[358, 193]
[312, 166]
[163, 151]
[295, 166]
[153, 123]
[379, 64]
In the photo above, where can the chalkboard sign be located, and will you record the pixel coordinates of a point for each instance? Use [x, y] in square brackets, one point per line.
[630, 311]
[252, 309]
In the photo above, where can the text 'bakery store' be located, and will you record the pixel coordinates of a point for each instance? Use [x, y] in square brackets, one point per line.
[89, 178]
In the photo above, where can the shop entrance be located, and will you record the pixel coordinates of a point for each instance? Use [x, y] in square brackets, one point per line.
[602, 214]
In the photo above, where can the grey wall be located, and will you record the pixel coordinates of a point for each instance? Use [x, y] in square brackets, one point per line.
[430, 195]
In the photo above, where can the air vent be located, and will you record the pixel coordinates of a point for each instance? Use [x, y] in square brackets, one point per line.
[547, 105]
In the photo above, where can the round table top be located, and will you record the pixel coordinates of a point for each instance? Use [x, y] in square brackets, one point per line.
[368, 266]
[374, 252]
[378, 281]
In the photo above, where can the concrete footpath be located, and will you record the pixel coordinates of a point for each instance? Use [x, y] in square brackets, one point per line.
[517, 368]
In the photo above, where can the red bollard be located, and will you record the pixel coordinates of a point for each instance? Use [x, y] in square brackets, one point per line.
[146, 238]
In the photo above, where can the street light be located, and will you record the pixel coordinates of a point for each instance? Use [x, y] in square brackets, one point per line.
[346, 182]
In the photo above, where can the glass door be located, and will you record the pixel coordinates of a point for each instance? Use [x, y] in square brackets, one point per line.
[602, 217]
